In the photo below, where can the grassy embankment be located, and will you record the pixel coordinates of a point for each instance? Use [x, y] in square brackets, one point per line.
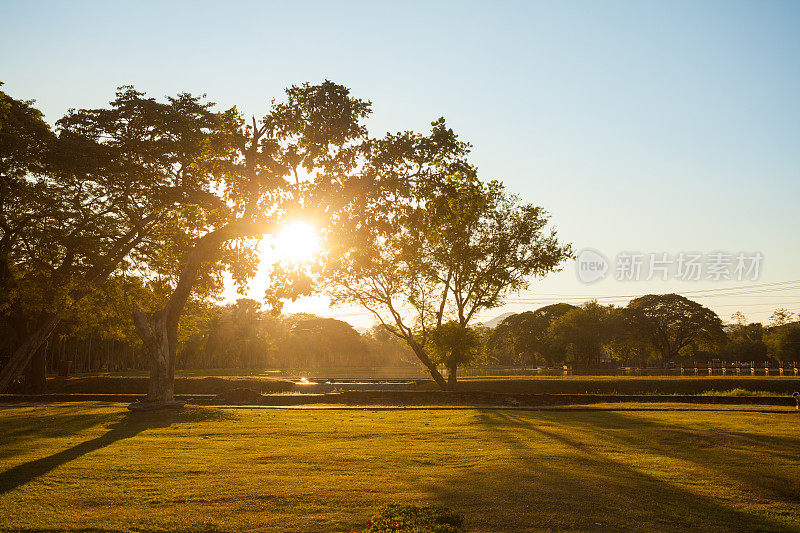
[783, 386]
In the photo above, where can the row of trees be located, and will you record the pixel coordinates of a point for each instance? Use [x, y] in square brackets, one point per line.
[154, 200]
[651, 330]
[234, 336]
[245, 336]
[137, 209]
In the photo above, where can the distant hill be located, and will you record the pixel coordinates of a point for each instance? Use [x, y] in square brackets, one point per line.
[493, 323]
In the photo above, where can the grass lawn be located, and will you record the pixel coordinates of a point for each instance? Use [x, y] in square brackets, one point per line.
[87, 467]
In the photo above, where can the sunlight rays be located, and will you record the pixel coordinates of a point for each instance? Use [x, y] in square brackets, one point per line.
[297, 242]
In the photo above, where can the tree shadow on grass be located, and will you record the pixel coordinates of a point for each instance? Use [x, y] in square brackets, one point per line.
[129, 426]
[750, 459]
[20, 431]
[557, 482]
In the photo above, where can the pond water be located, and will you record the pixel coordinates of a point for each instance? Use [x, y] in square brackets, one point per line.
[305, 385]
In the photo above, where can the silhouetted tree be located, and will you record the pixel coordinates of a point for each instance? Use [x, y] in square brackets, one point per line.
[624, 342]
[110, 180]
[323, 342]
[453, 345]
[583, 332]
[745, 342]
[26, 146]
[672, 322]
[783, 342]
[315, 132]
[429, 243]
[525, 337]
[780, 317]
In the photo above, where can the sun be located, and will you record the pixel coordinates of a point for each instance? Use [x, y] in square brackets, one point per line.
[297, 242]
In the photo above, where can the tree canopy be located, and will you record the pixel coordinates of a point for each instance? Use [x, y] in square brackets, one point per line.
[672, 322]
[139, 208]
[428, 245]
[109, 190]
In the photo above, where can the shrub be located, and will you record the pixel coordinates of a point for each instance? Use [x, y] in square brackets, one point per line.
[413, 519]
[628, 385]
[739, 392]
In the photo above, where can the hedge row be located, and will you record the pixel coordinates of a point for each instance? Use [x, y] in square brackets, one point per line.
[410, 398]
[628, 385]
[183, 385]
[561, 385]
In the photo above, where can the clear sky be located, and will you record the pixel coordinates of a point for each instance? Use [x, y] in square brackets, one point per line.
[659, 127]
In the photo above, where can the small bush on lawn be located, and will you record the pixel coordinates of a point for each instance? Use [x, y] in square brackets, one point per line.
[413, 519]
[740, 392]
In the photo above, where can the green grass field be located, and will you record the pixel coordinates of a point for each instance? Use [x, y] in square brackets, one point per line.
[88, 467]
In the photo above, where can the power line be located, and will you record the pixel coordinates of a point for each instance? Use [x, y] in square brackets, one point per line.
[766, 293]
[758, 290]
[778, 285]
[757, 304]
[790, 282]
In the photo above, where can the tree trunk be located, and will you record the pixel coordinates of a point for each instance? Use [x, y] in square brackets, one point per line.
[451, 376]
[159, 330]
[162, 388]
[23, 354]
[437, 377]
[434, 372]
[666, 354]
[36, 373]
[154, 330]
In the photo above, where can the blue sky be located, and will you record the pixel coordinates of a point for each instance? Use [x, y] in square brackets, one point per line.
[641, 126]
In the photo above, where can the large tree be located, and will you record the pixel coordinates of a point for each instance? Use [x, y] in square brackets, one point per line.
[92, 196]
[430, 246]
[525, 337]
[783, 342]
[672, 322]
[26, 210]
[279, 167]
[584, 332]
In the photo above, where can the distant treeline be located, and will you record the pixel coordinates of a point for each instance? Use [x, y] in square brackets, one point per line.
[654, 330]
[235, 336]
[99, 336]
